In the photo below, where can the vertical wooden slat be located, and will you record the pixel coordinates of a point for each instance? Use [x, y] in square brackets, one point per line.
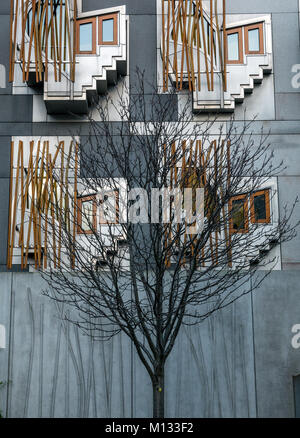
[15, 36]
[15, 203]
[198, 45]
[163, 44]
[74, 40]
[46, 207]
[168, 45]
[204, 47]
[175, 26]
[25, 197]
[190, 41]
[21, 235]
[23, 40]
[31, 39]
[10, 205]
[53, 51]
[61, 203]
[46, 43]
[35, 207]
[224, 45]
[30, 175]
[60, 39]
[75, 205]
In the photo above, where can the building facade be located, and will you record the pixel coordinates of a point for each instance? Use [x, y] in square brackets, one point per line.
[243, 361]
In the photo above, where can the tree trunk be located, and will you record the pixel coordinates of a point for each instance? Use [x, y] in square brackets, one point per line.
[159, 394]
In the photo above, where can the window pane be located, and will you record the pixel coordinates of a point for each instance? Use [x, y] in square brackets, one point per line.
[238, 214]
[108, 30]
[260, 207]
[86, 37]
[233, 47]
[109, 208]
[87, 215]
[253, 40]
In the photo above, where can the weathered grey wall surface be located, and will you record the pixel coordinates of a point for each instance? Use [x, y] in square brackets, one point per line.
[240, 362]
[55, 371]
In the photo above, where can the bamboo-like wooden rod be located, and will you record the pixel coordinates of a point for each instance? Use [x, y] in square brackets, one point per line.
[75, 204]
[9, 249]
[15, 203]
[224, 45]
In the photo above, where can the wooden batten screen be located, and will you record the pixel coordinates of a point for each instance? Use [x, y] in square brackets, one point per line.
[203, 166]
[43, 33]
[188, 42]
[42, 198]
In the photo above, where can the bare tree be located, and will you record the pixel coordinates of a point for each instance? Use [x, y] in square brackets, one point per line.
[133, 269]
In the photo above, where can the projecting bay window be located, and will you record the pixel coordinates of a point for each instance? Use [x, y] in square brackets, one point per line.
[254, 39]
[234, 46]
[238, 207]
[108, 30]
[86, 215]
[86, 36]
[260, 210]
[260, 207]
[248, 40]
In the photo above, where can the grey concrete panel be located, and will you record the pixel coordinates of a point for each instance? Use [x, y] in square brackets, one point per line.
[287, 106]
[276, 309]
[70, 129]
[4, 52]
[5, 296]
[55, 370]
[142, 37]
[286, 50]
[210, 372]
[257, 6]
[5, 8]
[10, 129]
[289, 189]
[5, 157]
[16, 109]
[155, 108]
[132, 6]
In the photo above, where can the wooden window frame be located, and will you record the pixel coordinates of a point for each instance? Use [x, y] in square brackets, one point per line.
[94, 45]
[265, 192]
[246, 210]
[80, 201]
[260, 27]
[239, 31]
[101, 218]
[102, 18]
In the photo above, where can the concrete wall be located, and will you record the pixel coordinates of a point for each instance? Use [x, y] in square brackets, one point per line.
[240, 362]
[55, 371]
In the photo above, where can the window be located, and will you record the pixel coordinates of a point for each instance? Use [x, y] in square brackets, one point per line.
[260, 207]
[108, 29]
[109, 208]
[238, 207]
[254, 39]
[234, 46]
[86, 36]
[87, 215]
